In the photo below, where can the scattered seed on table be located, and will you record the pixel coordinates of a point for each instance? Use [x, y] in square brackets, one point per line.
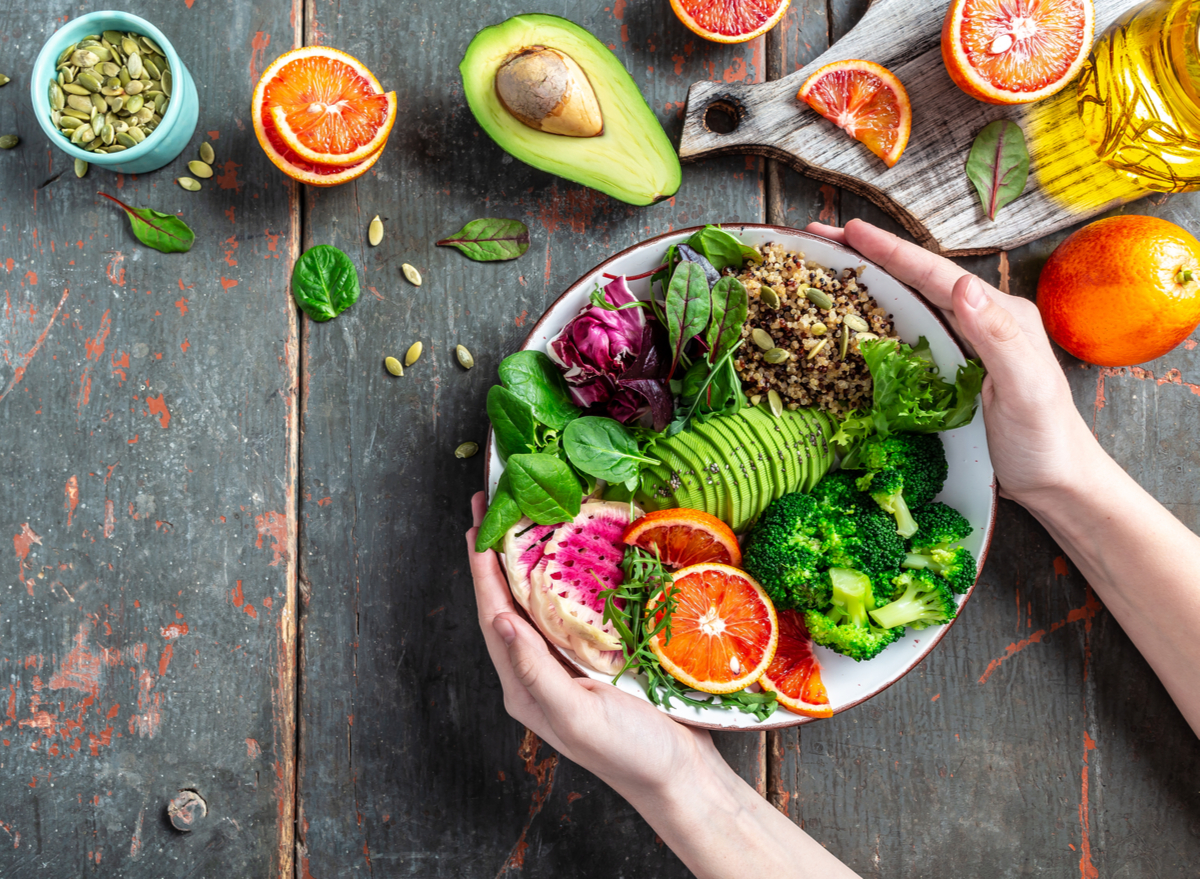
[8, 141]
[207, 156]
[464, 357]
[393, 366]
[81, 168]
[375, 231]
[466, 450]
[4, 80]
[413, 354]
[412, 274]
[200, 169]
[188, 183]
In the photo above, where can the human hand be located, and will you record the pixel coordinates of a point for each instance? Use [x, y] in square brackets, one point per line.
[1037, 439]
[627, 742]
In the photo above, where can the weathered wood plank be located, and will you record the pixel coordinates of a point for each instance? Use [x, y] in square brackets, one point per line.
[926, 190]
[409, 763]
[147, 455]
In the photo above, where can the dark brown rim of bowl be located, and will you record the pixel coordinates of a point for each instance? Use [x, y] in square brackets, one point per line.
[854, 256]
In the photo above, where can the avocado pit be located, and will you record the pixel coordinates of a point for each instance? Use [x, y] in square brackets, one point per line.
[546, 90]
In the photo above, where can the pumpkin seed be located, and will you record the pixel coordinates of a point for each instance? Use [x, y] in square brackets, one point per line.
[188, 183]
[135, 87]
[816, 349]
[4, 80]
[147, 115]
[393, 366]
[72, 113]
[151, 45]
[775, 402]
[74, 89]
[108, 135]
[769, 297]
[134, 65]
[375, 231]
[66, 54]
[81, 168]
[845, 342]
[762, 338]
[818, 329]
[137, 134]
[80, 102]
[200, 169]
[207, 156]
[819, 298]
[125, 140]
[100, 104]
[856, 323]
[133, 103]
[8, 141]
[412, 274]
[167, 82]
[413, 354]
[87, 81]
[58, 98]
[83, 134]
[466, 450]
[84, 58]
[113, 37]
[756, 399]
[464, 357]
[776, 355]
[109, 69]
[69, 123]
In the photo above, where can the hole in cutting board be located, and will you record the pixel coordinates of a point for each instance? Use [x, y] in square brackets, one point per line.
[722, 117]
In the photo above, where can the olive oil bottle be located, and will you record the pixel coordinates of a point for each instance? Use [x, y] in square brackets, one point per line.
[1139, 96]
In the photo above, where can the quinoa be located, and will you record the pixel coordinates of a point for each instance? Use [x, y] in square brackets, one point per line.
[822, 379]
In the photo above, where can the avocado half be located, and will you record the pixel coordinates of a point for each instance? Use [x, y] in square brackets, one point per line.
[631, 160]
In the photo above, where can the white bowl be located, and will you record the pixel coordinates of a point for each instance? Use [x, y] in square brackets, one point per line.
[970, 487]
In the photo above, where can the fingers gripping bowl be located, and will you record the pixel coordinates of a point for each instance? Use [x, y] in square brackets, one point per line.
[969, 488]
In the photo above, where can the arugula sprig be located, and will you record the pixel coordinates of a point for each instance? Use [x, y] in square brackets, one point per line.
[647, 579]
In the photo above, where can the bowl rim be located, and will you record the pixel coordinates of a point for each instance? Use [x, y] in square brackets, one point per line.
[54, 46]
[792, 719]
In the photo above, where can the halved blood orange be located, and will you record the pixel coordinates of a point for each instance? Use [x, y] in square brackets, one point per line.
[866, 101]
[723, 629]
[1016, 51]
[685, 537]
[794, 675]
[297, 168]
[729, 21]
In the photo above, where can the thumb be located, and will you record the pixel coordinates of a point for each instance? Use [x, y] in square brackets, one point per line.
[536, 670]
[993, 331]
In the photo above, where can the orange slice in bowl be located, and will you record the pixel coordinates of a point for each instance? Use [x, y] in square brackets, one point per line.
[866, 101]
[685, 537]
[1016, 53]
[723, 629]
[794, 675]
[729, 21]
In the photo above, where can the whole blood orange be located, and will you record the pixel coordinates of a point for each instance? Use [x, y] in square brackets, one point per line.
[866, 101]
[729, 21]
[1016, 51]
[1122, 290]
[685, 537]
[794, 675]
[723, 629]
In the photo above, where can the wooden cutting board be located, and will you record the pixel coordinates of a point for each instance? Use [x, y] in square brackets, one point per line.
[927, 190]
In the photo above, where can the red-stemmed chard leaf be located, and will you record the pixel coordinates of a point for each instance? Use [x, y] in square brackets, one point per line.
[164, 232]
[998, 165]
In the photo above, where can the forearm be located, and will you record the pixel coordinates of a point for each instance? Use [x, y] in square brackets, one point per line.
[1143, 563]
[722, 829]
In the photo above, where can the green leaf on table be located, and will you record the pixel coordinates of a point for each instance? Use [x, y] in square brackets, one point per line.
[998, 165]
[164, 232]
[603, 448]
[545, 488]
[324, 282]
[533, 377]
[688, 307]
[490, 239]
[502, 514]
[730, 303]
[512, 421]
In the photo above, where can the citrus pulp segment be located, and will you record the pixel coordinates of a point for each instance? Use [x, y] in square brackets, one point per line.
[685, 537]
[866, 101]
[794, 675]
[729, 21]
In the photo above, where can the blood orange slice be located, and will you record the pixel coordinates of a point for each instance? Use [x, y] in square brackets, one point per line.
[723, 629]
[729, 21]
[685, 537]
[794, 675]
[1016, 51]
[866, 101]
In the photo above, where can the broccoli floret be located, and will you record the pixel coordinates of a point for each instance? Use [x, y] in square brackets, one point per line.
[938, 525]
[846, 626]
[926, 600]
[785, 554]
[839, 492]
[955, 565]
[865, 541]
[886, 488]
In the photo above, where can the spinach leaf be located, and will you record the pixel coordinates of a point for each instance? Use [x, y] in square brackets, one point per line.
[533, 377]
[512, 420]
[603, 448]
[164, 232]
[730, 303]
[545, 488]
[324, 282]
[490, 239]
[722, 249]
[998, 165]
[688, 307]
[501, 515]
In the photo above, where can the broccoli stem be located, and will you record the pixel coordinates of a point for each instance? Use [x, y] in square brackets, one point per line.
[906, 525]
[917, 561]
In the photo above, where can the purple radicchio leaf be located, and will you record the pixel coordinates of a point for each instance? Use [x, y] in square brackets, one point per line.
[597, 341]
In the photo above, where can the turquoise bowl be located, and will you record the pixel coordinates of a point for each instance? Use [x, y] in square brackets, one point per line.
[166, 142]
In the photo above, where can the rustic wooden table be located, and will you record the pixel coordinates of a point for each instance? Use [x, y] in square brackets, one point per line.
[237, 556]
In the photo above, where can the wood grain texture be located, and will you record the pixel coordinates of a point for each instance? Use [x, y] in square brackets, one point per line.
[927, 190]
[147, 461]
[409, 764]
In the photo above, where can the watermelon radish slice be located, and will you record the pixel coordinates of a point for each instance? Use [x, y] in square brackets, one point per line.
[583, 559]
[524, 549]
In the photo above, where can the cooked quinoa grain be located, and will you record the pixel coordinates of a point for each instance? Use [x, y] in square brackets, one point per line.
[814, 373]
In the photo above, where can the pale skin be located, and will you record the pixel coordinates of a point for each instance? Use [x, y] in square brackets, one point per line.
[1139, 559]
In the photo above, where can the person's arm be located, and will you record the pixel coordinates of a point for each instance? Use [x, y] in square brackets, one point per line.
[1142, 562]
[672, 774]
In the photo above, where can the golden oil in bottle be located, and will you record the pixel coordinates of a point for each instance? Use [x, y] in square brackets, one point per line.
[1139, 96]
